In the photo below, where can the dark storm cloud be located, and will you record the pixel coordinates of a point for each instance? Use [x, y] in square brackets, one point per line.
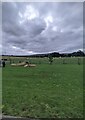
[35, 26]
[42, 27]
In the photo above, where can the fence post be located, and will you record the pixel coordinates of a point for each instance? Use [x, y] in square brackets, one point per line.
[78, 61]
[64, 61]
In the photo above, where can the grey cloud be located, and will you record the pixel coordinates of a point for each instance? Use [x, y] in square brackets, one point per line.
[9, 12]
[34, 35]
[13, 29]
[35, 26]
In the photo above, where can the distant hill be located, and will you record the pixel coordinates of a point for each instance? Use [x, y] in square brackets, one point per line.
[53, 54]
[57, 54]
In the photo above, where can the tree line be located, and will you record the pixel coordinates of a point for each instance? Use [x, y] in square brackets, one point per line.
[54, 54]
[57, 54]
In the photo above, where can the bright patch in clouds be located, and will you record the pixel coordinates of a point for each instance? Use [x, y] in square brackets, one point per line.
[48, 19]
[14, 47]
[30, 52]
[29, 14]
[54, 28]
[20, 14]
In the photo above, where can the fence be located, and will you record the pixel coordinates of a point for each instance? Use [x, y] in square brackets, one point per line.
[63, 60]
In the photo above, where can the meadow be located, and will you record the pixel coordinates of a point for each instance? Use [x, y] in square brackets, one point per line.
[44, 91]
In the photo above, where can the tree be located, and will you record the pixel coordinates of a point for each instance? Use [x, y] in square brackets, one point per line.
[50, 58]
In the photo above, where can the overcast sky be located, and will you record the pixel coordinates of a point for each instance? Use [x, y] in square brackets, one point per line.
[29, 28]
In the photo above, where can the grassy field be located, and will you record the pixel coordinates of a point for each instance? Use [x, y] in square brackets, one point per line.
[44, 91]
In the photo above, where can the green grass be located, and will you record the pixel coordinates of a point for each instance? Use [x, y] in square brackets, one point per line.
[43, 91]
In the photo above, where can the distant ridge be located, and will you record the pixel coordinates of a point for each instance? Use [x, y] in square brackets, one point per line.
[53, 54]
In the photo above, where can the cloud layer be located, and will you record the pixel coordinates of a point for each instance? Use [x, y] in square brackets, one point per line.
[30, 28]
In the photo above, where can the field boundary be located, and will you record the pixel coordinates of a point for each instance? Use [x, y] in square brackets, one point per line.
[6, 117]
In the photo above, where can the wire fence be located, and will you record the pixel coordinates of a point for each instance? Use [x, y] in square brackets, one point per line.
[63, 60]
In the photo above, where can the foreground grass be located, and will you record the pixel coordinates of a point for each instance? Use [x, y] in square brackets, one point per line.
[43, 91]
